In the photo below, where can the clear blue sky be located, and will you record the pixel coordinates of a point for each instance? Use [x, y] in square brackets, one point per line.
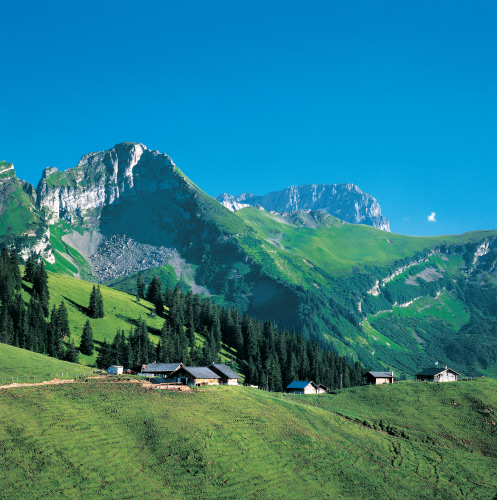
[397, 97]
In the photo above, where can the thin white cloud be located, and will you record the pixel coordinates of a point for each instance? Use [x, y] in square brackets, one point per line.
[431, 217]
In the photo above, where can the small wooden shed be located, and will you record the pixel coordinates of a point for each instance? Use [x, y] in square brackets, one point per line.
[115, 370]
[160, 369]
[228, 376]
[436, 374]
[378, 378]
[298, 387]
[192, 375]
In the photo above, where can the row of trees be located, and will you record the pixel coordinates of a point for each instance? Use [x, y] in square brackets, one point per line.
[32, 327]
[270, 356]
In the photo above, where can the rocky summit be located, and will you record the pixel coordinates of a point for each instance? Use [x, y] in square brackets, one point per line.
[344, 201]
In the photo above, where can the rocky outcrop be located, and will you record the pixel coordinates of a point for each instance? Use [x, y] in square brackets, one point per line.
[344, 201]
[104, 178]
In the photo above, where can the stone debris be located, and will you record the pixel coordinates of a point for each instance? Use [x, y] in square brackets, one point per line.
[120, 255]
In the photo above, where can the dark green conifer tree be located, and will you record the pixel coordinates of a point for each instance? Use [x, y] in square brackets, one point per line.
[86, 346]
[30, 269]
[140, 286]
[154, 294]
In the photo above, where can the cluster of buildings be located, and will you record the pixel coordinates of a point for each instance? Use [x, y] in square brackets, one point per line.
[219, 374]
[435, 374]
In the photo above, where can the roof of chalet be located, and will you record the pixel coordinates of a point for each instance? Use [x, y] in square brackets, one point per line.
[380, 374]
[225, 370]
[296, 384]
[199, 372]
[435, 371]
[161, 367]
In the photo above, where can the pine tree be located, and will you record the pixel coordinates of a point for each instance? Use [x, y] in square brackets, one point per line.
[30, 269]
[100, 303]
[96, 304]
[40, 286]
[140, 287]
[154, 294]
[86, 346]
[64, 328]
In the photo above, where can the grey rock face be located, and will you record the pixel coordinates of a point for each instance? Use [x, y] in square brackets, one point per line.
[344, 201]
[104, 178]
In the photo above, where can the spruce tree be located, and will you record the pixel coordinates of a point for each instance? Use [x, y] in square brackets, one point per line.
[40, 286]
[140, 287]
[86, 346]
[96, 304]
[92, 306]
[154, 294]
[64, 329]
[30, 269]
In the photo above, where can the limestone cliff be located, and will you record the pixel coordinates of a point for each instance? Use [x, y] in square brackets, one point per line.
[100, 179]
[344, 201]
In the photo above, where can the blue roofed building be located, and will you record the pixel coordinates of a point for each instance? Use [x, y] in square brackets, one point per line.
[303, 387]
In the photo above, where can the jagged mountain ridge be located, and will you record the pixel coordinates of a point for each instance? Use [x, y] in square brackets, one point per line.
[344, 201]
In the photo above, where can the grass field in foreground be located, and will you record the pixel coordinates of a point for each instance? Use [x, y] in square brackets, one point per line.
[99, 440]
[21, 366]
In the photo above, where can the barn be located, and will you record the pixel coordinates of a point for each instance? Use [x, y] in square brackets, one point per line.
[437, 375]
[160, 369]
[191, 375]
[228, 376]
[378, 378]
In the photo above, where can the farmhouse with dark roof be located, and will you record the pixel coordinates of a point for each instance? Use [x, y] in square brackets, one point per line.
[192, 375]
[436, 374]
[378, 378]
[161, 369]
[228, 376]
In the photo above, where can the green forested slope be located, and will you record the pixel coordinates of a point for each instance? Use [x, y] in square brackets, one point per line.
[98, 440]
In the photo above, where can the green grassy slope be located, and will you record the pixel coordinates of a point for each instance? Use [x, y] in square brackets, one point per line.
[17, 212]
[21, 366]
[300, 243]
[121, 310]
[97, 440]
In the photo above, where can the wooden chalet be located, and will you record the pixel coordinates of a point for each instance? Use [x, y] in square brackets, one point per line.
[298, 387]
[192, 375]
[436, 374]
[378, 378]
[163, 370]
[228, 376]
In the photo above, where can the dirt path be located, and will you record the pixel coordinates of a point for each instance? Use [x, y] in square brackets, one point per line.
[55, 381]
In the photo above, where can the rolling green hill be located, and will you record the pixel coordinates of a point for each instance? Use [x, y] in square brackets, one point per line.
[22, 366]
[101, 440]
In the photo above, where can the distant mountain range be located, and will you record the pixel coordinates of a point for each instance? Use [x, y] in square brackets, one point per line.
[344, 201]
[390, 300]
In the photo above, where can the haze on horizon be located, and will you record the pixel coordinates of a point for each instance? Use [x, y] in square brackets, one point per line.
[399, 99]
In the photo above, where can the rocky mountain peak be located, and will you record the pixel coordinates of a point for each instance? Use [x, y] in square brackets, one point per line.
[102, 178]
[344, 201]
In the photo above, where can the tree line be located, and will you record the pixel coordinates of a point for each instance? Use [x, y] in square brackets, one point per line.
[269, 356]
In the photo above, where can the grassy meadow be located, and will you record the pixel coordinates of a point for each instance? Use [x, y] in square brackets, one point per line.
[121, 310]
[100, 440]
[22, 366]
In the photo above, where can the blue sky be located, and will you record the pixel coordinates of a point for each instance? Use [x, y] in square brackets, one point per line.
[399, 98]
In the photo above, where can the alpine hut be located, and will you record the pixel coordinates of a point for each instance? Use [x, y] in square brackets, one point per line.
[378, 378]
[228, 376]
[298, 387]
[436, 374]
[162, 370]
[192, 375]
